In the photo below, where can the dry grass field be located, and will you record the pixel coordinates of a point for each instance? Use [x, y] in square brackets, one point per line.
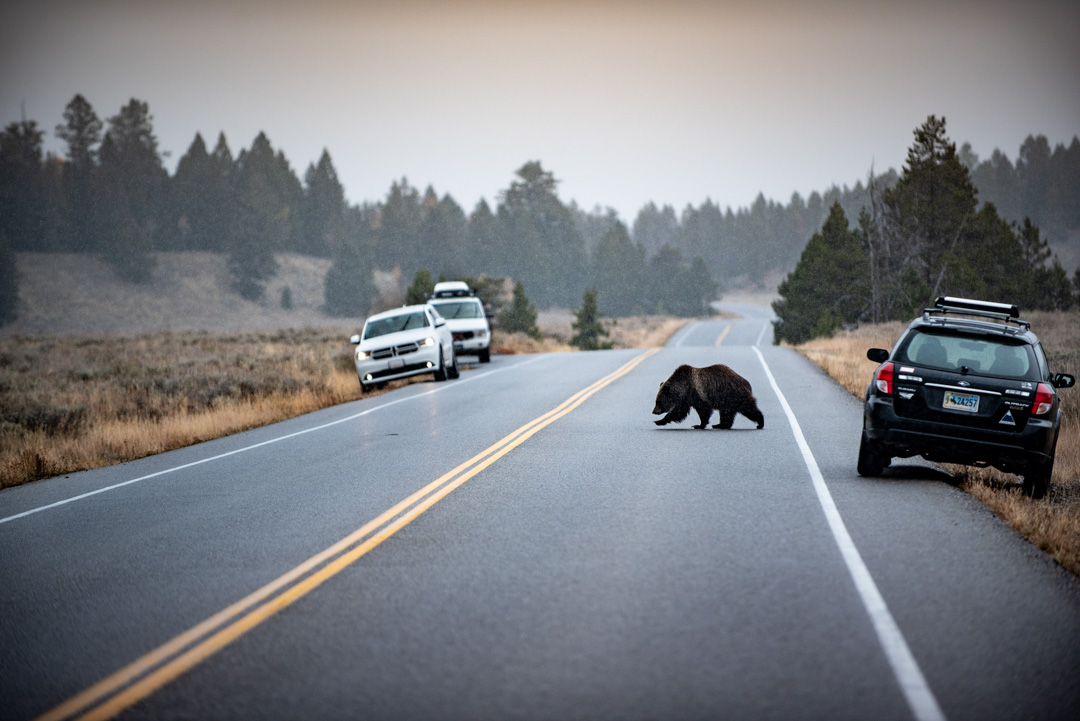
[1052, 523]
[69, 403]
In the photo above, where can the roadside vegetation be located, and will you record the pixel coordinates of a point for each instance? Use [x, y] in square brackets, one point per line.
[80, 402]
[1052, 523]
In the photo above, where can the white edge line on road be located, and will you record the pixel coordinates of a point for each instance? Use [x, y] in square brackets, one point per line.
[762, 333]
[263, 443]
[908, 674]
[683, 332]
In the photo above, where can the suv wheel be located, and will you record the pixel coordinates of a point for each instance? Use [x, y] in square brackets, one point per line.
[1037, 479]
[871, 459]
[485, 355]
[440, 372]
[454, 371]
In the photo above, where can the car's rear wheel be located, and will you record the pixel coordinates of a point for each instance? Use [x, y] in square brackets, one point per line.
[1037, 479]
[872, 460]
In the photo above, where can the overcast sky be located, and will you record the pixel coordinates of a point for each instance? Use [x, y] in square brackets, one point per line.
[625, 102]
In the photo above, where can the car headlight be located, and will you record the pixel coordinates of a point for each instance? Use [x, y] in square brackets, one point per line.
[429, 341]
[362, 354]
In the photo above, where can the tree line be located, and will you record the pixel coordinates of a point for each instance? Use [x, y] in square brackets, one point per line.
[923, 236]
[111, 195]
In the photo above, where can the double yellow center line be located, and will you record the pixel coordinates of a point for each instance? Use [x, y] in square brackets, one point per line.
[146, 675]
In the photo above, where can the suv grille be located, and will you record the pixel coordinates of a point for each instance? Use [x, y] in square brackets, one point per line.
[402, 349]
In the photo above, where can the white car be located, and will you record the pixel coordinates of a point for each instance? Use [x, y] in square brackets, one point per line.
[403, 342]
[466, 318]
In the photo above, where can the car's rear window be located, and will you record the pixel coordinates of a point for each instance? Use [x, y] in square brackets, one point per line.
[985, 355]
[463, 309]
[395, 323]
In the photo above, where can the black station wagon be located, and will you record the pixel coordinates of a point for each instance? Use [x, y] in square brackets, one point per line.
[967, 383]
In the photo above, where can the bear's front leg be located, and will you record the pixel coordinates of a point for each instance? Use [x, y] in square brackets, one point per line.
[704, 412]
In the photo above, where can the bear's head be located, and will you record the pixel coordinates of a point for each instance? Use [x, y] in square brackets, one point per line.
[666, 399]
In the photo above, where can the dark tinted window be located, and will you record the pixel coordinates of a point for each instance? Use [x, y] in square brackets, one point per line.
[982, 354]
[460, 309]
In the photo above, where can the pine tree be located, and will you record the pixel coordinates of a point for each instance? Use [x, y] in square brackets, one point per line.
[829, 286]
[520, 317]
[350, 284]
[137, 168]
[23, 210]
[399, 228]
[222, 200]
[194, 190]
[588, 330]
[548, 252]
[122, 242]
[267, 197]
[9, 282]
[322, 211]
[482, 244]
[421, 289]
[618, 271]
[82, 132]
[930, 206]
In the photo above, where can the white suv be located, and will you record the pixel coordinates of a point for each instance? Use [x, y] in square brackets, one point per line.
[465, 317]
[404, 342]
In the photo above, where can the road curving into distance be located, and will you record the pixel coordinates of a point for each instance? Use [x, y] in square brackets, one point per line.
[524, 542]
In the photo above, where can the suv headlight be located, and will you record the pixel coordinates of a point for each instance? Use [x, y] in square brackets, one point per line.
[362, 354]
[429, 341]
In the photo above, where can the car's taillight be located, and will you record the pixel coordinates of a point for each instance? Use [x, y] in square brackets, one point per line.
[883, 379]
[1044, 398]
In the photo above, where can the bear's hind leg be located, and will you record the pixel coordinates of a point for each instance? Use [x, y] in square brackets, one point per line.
[727, 419]
[751, 411]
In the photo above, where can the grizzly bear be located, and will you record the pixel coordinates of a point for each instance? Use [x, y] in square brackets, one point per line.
[704, 389]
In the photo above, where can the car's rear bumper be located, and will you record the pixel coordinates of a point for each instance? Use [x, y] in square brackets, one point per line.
[1009, 451]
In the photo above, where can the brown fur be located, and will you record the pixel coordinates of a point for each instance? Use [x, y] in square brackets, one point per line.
[704, 389]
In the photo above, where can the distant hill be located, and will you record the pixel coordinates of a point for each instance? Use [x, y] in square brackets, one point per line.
[67, 293]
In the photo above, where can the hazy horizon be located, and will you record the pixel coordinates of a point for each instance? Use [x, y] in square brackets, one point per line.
[625, 102]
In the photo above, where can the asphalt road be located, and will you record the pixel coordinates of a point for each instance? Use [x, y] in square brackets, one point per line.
[504, 546]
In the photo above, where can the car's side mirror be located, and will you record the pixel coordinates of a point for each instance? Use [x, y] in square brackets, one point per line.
[355, 340]
[440, 322]
[1063, 380]
[878, 355]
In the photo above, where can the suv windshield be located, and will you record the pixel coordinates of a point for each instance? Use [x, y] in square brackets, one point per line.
[985, 355]
[393, 324]
[464, 309]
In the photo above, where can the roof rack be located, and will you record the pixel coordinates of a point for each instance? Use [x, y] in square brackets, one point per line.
[980, 308]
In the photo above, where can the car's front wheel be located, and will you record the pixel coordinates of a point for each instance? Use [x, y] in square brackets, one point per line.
[440, 372]
[455, 370]
[485, 355]
[872, 460]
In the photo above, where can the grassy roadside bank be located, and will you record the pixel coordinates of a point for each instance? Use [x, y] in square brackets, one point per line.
[1052, 523]
[77, 402]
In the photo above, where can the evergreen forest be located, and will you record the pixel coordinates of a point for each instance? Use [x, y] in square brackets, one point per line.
[111, 195]
[927, 235]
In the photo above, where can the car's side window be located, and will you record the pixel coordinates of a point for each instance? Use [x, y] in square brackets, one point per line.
[1044, 369]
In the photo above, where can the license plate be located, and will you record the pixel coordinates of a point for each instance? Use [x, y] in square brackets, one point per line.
[396, 363]
[961, 402]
